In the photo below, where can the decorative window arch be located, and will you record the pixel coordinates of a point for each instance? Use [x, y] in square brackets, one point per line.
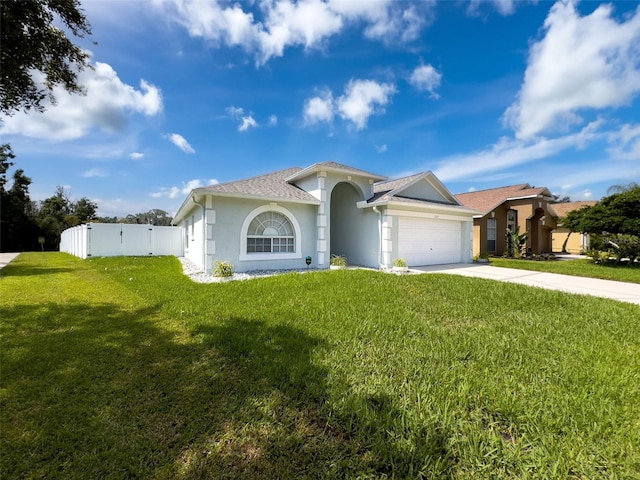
[270, 232]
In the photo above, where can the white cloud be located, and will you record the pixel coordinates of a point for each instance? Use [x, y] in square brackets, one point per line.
[426, 78]
[95, 172]
[180, 142]
[174, 191]
[504, 7]
[381, 148]
[303, 23]
[235, 112]
[588, 62]
[106, 106]
[273, 121]
[508, 152]
[136, 155]
[247, 123]
[363, 98]
[319, 109]
[625, 143]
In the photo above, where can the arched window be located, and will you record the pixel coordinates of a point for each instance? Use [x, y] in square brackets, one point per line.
[270, 232]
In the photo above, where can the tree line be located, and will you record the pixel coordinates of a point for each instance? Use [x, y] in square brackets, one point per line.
[613, 224]
[27, 225]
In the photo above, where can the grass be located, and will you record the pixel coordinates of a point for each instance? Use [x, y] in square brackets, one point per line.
[581, 267]
[124, 368]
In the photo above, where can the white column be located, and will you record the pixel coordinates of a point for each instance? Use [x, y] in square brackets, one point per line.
[321, 223]
[387, 244]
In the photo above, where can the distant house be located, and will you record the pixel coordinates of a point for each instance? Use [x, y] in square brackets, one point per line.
[563, 240]
[277, 220]
[505, 208]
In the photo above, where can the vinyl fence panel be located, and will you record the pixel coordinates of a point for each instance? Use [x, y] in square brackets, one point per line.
[121, 239]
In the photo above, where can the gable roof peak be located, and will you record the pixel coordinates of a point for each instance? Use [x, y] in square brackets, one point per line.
[333, 167]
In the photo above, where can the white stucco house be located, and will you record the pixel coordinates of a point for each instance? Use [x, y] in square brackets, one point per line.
[277, 220]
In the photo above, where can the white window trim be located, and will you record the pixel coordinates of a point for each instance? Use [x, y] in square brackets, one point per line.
[244, 256]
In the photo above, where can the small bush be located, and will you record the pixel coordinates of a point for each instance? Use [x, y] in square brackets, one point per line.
[222, 269]
[400, 262]
[600, 257]
[338, 260]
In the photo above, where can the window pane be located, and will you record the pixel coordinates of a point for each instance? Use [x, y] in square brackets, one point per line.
[491, 234]
[270, 232]
[258, 245]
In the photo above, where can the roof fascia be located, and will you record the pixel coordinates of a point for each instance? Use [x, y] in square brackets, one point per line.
[205, 192]
[179, 214]
[389, 203]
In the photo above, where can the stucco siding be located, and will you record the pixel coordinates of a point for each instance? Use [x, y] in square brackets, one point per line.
[230, 214]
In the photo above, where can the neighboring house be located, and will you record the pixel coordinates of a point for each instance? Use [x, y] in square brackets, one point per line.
[506, 208]
[563, 240]
[276, 220]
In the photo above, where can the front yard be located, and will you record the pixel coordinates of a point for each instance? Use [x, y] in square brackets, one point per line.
[580, 267]
[124, 368]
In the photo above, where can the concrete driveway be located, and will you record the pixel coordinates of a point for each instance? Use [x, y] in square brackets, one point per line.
[6, 258]
[622, 291]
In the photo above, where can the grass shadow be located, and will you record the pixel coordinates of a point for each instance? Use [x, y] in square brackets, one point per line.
[96, 391]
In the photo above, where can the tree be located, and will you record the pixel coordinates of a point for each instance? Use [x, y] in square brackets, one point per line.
[31, 42]
[615, 222]
[618, 213]
[17, 227]
[52, 215]
[152, 217]
[622, 188]
[84, 210]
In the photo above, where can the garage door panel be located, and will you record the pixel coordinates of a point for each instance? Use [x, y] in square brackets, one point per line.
[429, 241]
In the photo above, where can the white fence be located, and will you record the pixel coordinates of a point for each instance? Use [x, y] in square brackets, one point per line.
[121, 239]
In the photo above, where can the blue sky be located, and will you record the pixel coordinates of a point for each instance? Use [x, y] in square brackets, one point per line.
[483, 93]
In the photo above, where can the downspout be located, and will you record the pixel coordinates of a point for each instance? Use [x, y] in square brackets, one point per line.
[380, 256]
[204, 231]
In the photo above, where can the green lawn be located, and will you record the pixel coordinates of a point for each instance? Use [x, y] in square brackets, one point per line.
[124, 368]
[581, 267]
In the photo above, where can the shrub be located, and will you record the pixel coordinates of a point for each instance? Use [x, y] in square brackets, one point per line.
[516, 243]
[338, 260]
[400, 262]
[222, 269]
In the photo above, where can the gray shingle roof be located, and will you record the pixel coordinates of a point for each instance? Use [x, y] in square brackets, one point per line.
[389, 185]
[271, 185]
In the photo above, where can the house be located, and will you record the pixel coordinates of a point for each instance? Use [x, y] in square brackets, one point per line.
[277, 220]
[563, 240]
[506, 208]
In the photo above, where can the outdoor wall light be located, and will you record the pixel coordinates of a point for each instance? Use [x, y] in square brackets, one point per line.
[308, 261]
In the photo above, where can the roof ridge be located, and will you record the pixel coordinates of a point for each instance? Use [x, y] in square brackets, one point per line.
[524, 185]
[269, 174]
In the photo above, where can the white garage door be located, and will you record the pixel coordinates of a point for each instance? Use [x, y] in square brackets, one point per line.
[429, 242]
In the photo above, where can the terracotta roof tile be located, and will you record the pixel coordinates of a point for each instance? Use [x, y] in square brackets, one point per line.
[487, 200]
[562, 209]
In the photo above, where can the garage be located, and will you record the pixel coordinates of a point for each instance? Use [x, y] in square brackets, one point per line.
[425, 241]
